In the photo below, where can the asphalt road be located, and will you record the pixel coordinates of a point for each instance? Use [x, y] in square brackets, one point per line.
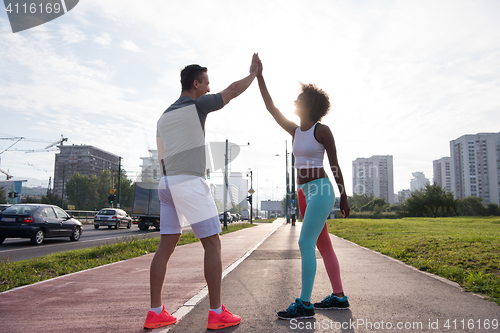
[15, 249]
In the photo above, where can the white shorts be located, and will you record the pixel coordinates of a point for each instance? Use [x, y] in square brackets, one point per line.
[185, 197]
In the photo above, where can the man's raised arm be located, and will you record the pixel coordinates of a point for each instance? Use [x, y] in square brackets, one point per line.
[236, 88]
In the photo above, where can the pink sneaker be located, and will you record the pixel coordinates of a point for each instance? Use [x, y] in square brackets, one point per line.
[154, 320]
[225, 319]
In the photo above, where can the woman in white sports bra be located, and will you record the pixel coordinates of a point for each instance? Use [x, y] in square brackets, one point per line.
[316, 194]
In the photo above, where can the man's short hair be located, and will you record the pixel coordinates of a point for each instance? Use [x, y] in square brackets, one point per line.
[191, 73]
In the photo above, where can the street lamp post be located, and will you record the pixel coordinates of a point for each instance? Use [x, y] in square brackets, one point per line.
[293, 190]
[225, 187]
[287, 200]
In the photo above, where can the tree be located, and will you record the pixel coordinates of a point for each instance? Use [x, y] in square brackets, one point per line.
[493, 209]
[51, 199]
[414, 205]
[472, 206]
[3, 195]
[359, 200]
[433, 201]
[81, 191]
[126, 191]
[29, 199]
[375, 205]
[102, 190]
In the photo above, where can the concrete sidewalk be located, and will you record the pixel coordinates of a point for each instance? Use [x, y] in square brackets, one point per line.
[385, 295]
[115, 297]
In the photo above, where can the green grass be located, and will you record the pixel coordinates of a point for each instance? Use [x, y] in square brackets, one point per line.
[266, 220]
[462, 249]
[20, 273]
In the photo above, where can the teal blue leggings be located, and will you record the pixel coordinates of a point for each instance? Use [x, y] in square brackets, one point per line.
[320, 196]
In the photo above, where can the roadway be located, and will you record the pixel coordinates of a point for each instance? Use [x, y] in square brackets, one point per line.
[15, 249]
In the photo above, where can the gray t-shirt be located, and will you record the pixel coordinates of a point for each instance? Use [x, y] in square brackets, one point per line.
[182, 130]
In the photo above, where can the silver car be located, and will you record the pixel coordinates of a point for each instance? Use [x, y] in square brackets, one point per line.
[112, 217]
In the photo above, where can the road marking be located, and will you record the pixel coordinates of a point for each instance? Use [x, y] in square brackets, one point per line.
[191, 303]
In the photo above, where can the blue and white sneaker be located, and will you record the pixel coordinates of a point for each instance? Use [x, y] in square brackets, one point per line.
[297, 310]
[333, 302]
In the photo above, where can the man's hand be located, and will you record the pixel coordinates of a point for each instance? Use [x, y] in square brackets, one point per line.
[237, 87]
[254, 67]
[259, 72]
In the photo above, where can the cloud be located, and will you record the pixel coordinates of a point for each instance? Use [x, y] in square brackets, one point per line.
[71, 34]
[130, 46]
[104, 39]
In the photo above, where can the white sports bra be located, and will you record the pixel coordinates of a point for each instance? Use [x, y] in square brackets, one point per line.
[307, 150]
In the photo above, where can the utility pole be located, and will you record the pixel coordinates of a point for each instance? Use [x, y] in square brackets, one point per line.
[225, 187]
[119, 181]
[251, 197]
[293, 190]
[287, 200]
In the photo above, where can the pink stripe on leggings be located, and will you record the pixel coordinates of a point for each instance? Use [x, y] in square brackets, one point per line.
[325, 247]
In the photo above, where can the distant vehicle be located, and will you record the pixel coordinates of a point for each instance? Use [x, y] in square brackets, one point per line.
[146, 209]
[112, 217]
[37, 222]
[245, 215]
[229, 217]
[235, 217]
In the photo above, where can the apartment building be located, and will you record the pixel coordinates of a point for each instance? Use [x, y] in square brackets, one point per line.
[476, 166]
[418, 181]
[374, 175]
[86, 160]
[442, 174]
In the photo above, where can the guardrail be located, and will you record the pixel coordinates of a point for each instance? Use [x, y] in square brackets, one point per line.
[83, 214]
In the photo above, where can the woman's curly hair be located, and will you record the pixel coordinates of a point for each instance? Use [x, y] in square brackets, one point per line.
[316, 101]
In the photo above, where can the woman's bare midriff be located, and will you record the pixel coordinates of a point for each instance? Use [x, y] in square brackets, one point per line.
[306, 175]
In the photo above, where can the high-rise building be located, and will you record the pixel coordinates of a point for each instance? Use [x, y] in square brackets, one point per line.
[241, 184]
[476, 166]
[150, 168]
[418, 183]
[232, 193]
[374, 175]
[442, 174]
[86, 160]
[403, 195]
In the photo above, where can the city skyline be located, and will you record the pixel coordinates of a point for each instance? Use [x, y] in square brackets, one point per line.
[404, 79]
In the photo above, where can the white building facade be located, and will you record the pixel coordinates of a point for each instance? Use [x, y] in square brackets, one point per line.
[442, 174]
[476, 166]
[374, 175]
[419, 181]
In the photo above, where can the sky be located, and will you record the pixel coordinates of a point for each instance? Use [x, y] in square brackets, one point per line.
[404, 78]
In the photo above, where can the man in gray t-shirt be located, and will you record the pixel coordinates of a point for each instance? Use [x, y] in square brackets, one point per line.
[184, 193]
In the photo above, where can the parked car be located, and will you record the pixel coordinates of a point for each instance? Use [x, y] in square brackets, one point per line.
[229, 217]
[37, 222]
[236, 217]
[112, 217]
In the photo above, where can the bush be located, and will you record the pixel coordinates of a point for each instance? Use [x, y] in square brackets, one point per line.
[432, 201]
[493, 209]
[471, 206]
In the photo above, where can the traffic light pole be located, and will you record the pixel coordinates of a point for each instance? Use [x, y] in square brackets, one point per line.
[225, 187]
[119, 181]
[251, 197]
[287, 200]
[293, 190]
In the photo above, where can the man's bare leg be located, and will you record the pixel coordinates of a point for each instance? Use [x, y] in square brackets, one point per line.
[159, 267]
[213, 269]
